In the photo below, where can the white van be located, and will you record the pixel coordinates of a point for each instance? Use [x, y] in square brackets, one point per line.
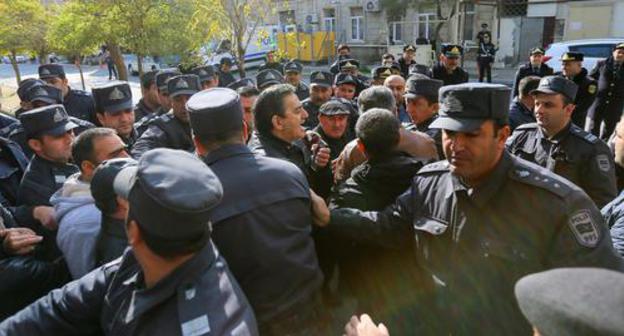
[592, 49]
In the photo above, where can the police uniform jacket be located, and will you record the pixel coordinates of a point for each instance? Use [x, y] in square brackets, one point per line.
[458, 76]
[610, 95]
[475, 243]
[578, 156]
[613, 214]
[200, 297]
[112, 240]
[7, 123]
[225, 78]
[266, 208]
[528, 70]
[141, 110]
[313, 110]
[273, 65]
[80, 104]
[519, 114]
[141, 125]
[405, 66]
[585, 96]
[302, 91]
[13, 164]
[164, 131]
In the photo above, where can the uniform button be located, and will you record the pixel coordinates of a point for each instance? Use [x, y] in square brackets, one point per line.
[607, 102]
[610, 93]
[612, 84]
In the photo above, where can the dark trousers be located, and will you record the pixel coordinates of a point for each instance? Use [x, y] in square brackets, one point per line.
[484, 66]
[609, 120]
[111, 70]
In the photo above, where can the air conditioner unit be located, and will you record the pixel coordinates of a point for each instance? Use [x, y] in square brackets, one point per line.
[372, 6]
[312, 19]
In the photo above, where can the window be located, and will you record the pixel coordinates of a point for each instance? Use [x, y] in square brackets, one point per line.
[287, 17]
[594, 50]
[424, 28]
[397, 32]
[329, 20]
[469, 18]
[357, 24]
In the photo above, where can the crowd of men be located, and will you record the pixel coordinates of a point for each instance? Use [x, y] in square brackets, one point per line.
[276, 206]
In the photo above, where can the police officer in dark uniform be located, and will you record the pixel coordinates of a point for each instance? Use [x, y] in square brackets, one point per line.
[448, 69]
[225, 76]
[207, 76]
[343, 52]
[113, 104]
[268, 77]
[243, 82]
[407, 59]
[280, 279]
[421, 104]
[171, 130]
[572, 69]
[22, 88]
[352, 67]
[345, 86]
[161, 79]
[320, 92]
[271, 63]
[292, 76]
[78, 103]
[171, 282]
[555, 143]
[485, 58]
[420, 69]
[379, 74]
[609, 103]
[480, 220]
[535, 67]
[49, 133]
[148, 104]
[13, 164]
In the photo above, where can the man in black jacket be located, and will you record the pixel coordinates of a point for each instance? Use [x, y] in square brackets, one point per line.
[535, 67]
[373, 186]
[448, 69]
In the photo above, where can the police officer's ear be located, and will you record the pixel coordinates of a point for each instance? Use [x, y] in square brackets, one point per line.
[568, 109]
[100, 118]
[133, 232]
[502, 133]
[200, 149]
[36, 145]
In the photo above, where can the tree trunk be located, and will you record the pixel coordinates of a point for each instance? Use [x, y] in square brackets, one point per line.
[240, 58]
[140, 65]
[115, 52]
[79, 65]
[13, 58]
[43, 56]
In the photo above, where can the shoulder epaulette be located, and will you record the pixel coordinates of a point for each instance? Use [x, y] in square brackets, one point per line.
[436, 167]
[592, 139]
[526, 127]
[530, 173]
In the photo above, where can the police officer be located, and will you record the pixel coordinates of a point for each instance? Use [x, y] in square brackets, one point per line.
[243, 82]
[407, 59]
[160, 79]
[78, 103]
[49, 133]
[281, 279]
[420, 69]
[535, 67]
[343, 52]
[555, 143]
[171, 130]
[352, 67]
[268, 77]
[421, 104]
[207, 76]
[572, 69]
[272, 63]
[171, 282]
[480, 220]
[345, 86]
[380, 74]
[292, 76]
[39, 96]
[320, 92]
[609, 103]
[148, 104]
[225, 76]
[22, 88]
[447, 69]
[521, 108]
[485, 58]
[113, 103]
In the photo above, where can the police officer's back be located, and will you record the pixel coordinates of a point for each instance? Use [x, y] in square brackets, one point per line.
[265, 208]
[172, 281]
[555, 143]
[172, 129]
[482, 219]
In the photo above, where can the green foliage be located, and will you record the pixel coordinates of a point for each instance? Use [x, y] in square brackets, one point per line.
[22, 25]
[73, 33]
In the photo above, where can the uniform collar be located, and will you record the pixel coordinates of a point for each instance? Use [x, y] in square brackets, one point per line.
[483, 193]
[225, 152]
[557, 137]
[142, 300]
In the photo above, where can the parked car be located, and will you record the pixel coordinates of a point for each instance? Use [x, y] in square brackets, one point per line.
[593, 49]
[133, 64]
